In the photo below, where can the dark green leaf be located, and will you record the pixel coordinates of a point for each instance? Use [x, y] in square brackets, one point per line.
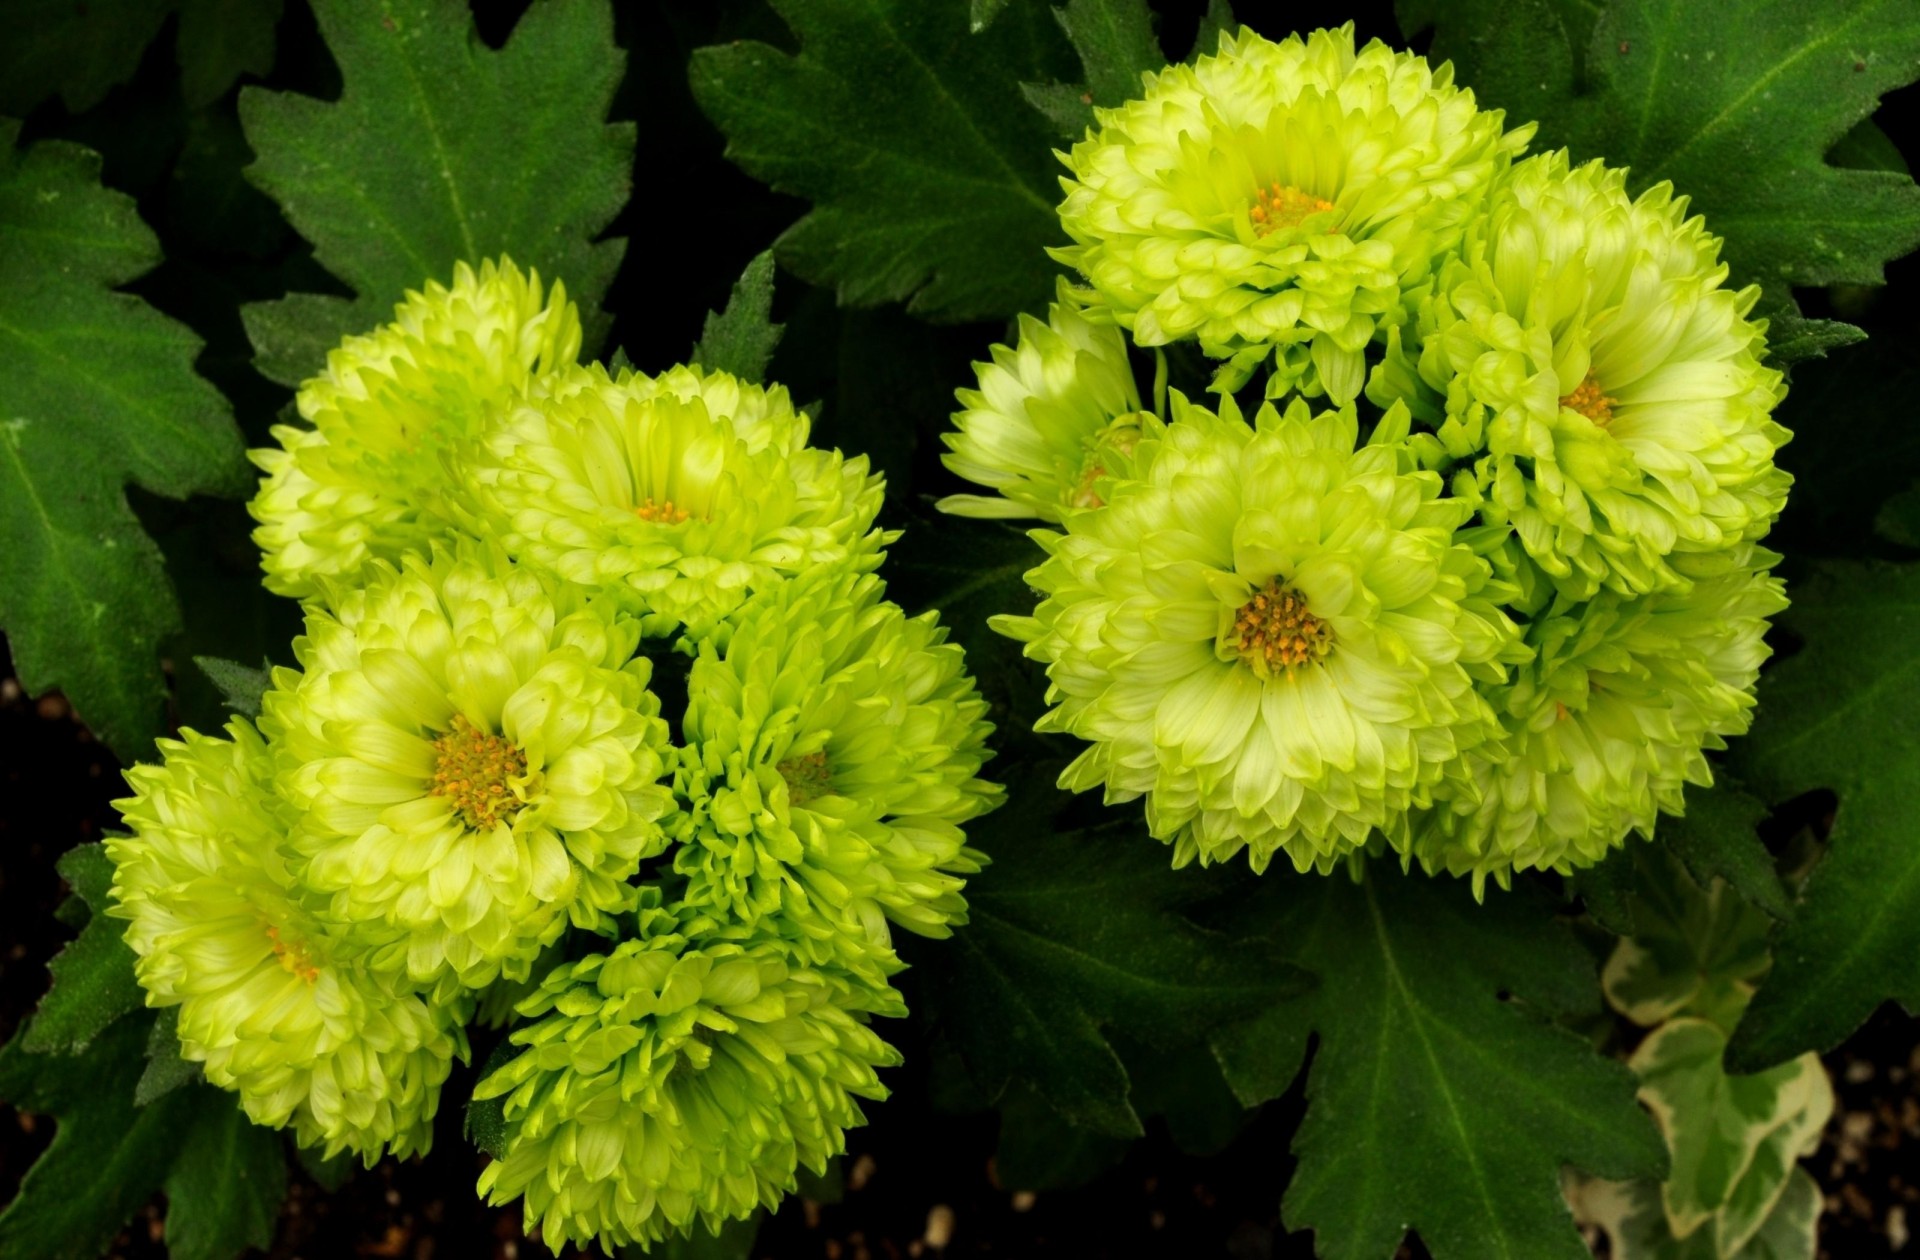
[166, 1071]
[1738, 102]
[1843, 714]
[1899, 518]
[1792, 338]
[930, 185]
[1432, 1104]
[228, 1178]
[93, 983]
[1115, 43]
[1039, 1150]
[1217, 20]
[99, 391]
[80, 50]
[327, 1173]
[742, 338]
[106, 1157]
[733, 1242]
[440, 150]
[1067, 106]
[1077, 932]
[241, 686]
[220, 40]
[968, 571]
[1855, 445]
[1717, 840]
[1606, 889]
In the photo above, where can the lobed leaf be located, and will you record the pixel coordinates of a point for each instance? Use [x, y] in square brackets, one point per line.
[1842, 714]
[439, 151]
[929, 186]
[99, 392]
[1432, 1104]
[93, 980]
[1076, 934]
[742, 338]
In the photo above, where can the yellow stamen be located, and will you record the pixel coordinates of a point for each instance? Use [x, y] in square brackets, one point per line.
[1274, 632]
[293, 957]
[1590, 402]
[476, 771]
[666, 513]
[808, 778]
[1283, 206]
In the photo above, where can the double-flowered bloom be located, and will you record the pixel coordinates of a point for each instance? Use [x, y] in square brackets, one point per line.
[1493, 615]
[467, 803]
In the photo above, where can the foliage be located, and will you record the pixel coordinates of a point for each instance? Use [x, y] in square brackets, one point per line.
[204, 195]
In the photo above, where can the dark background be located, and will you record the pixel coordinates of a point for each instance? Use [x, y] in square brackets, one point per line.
[891, 379]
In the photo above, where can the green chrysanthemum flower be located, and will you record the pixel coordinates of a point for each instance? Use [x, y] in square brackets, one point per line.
[274, 1004]
[670, 1082]
[1047, 412]
[678, 495]
[1271, 635]
[1607, 390]
[391, 414]
[1281, 196]
[1607, 724]
[831, 757]
[475, 761]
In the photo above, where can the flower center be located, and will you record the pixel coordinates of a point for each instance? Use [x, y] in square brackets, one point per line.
[1274, 632]
[666, 513]
[1283, 206]
[1590, 402]
[293, 956]
[475, 772]
[808, 777]
[1082, 495]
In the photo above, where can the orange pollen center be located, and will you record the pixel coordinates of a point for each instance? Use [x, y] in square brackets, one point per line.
[1590, 402]
[475, 771]
[293, 957]
[666, 513]
[1082, 495]
[807, 777]
[1283, 206]
[1274, 632]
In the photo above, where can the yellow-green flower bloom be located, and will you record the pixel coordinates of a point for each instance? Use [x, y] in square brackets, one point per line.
[392, 413]
[1279, 195]
[1269, 634]
[1039, 428]
[831, 757]
[678, 496]
[475, 761]
[1602, 388]
[275, 1003]
[670, 1083]
[1608, 723]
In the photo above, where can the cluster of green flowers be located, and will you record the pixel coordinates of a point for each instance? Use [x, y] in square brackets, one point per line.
[1493, 620]
[466, 803]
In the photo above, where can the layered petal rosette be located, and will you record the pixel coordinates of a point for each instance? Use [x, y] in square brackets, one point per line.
[1600, 386]
[677, 496]
[392, 413]
[671, 1082]
[274, 1003]
[1279, 198]
[1047, 415]
[475, 759]
[1607, 724]
[832, 754]
[1271, 635]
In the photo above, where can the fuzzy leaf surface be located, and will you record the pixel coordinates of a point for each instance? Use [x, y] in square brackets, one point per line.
[1843, 714]
[742, 338]
[1433, 1105]
[99, 391]
[1076, 933]
[93, 982]
[441, 150]
[900, 120]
